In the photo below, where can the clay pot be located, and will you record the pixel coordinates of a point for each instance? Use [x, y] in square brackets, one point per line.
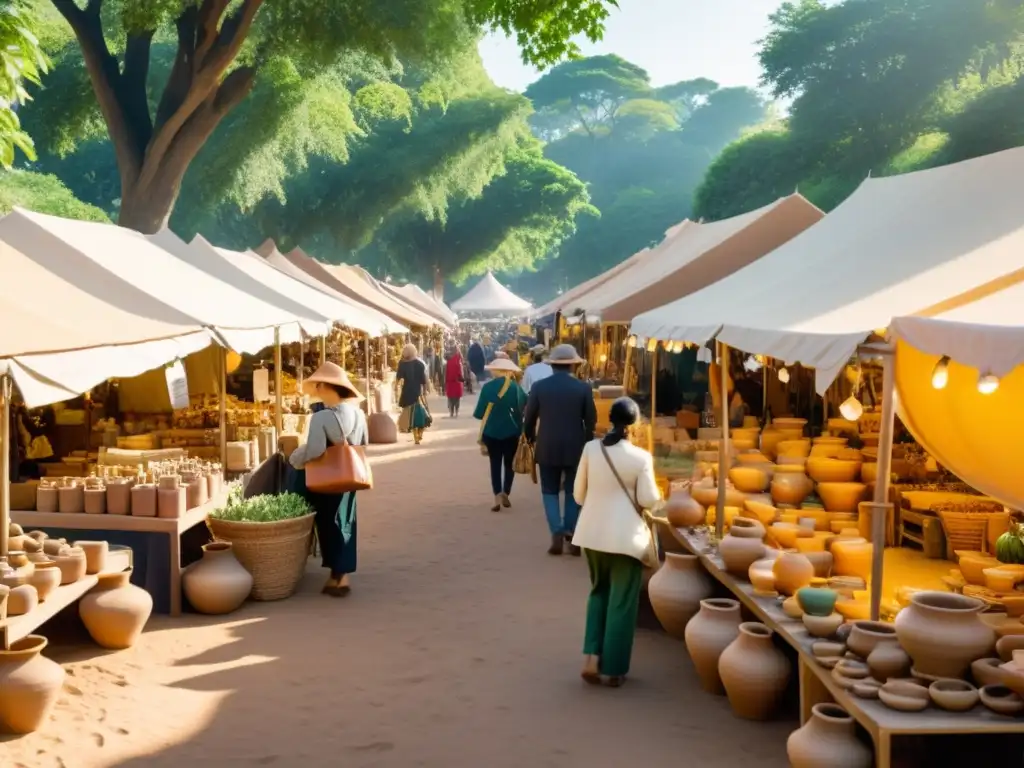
[791, 488]
[683, 511]
[822, 626]
[953, 695]
[71, 499]
[828, 740]
[47, 498]
[825, 470]
[676, 591]
[754, 672]
[865, 636]
[45, 579]
[841, 497]
[761, 574]
[5, 593]
[72, 564]
[748, 479]
[989, 672]
[943, 633]
[220, 584]
[21, 600]
[119, 497]
[168, 483]
[792, 571]
[742, 546]
[171, 503]
[888, 660]
[852, 557]
[95, 555]
[817, 601]
[822, 562]
[115, 611]
[1007, 644]
[143, 500]
[95, 501]
[1001, 699]
[708, 634]
[197, 493]
[29, 685]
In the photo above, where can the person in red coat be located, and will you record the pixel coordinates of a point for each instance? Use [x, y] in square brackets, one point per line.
[453, 379]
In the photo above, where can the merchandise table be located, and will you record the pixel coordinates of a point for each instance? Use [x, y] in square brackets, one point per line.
[155, 541]
[816, 684]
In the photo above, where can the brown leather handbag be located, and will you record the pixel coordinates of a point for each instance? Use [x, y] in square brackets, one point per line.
[343, 468]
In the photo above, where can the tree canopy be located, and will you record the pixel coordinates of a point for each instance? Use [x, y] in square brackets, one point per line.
[22, 62]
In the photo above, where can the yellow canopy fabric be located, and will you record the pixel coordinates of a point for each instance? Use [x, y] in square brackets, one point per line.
[147, 393]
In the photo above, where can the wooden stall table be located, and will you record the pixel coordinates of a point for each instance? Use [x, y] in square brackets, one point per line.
[15, 628]
[132, 531]
[816, 684]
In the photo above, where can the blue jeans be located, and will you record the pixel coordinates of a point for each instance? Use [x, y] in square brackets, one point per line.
[552, 480]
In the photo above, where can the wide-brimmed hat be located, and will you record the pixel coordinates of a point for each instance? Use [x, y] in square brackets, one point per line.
[503, 364]
[331, 373]
[538, 349]
[564, 354]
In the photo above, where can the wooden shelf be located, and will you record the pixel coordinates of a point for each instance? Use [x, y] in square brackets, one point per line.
[817, 685]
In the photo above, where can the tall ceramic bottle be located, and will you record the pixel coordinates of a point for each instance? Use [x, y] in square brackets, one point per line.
[218, 583]
[29, 685]
[115, 611]
[827, 740]
[676, 591]
[754, 672]
[708, 634]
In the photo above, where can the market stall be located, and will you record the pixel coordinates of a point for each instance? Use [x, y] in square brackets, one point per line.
[417, 297]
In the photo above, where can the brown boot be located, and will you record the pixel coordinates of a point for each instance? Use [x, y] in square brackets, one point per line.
[497, 504]
[505, 501]
[571, 548]
[557, 542]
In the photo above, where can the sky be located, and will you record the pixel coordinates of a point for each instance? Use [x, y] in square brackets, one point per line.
[672, 39]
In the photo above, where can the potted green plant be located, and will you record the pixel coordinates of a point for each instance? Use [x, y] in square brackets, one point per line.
[270, 536]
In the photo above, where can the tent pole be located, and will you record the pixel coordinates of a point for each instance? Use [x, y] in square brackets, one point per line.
[654, 399]
[626, 367]
[5, 471]
[366, 350]
[278, 394]
[764, 393]
[302, 360]
[723, 442]
[323, 350]
[223, 417]
[880, 505]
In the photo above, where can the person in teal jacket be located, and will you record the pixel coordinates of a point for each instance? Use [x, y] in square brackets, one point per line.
[500, 411]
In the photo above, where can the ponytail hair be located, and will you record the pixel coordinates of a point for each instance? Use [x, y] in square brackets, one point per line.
[624, 414]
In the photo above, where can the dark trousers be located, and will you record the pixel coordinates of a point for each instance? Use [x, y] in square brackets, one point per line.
[453, 405]
[561, 517]
[335, 522]
[501, 454]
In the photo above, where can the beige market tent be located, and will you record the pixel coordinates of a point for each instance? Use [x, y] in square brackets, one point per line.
[569, 299]
[490, 296]
[417, 297]
[696, 256]
[900, 245]
[363, 283]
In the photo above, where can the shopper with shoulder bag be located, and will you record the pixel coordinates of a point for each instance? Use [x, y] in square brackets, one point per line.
[500, 411]
[614, 485]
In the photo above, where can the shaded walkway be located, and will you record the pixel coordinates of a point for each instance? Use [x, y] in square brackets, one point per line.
[459, 646]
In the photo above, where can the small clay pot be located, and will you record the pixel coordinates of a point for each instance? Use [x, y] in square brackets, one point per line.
[866, 689]
[21, 600]
[95, 555]
[45, 578]
[865, 635]
[52, 546]
[1007, 644]
[144, 500]
[989, 672]
[953, 695]
[119, 497]
[95, 501]
[888, 660]
[907, 698]
[826, 648]
[72, 564]
[170, 503]
[822, 626]
[71, 499]
[169, 482]
[1001, 699]
[5, 593]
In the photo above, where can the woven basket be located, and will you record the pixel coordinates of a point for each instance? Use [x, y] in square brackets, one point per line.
[274, 553]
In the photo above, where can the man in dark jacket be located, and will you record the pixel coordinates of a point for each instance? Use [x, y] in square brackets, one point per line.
[565, 407]
[477, 360]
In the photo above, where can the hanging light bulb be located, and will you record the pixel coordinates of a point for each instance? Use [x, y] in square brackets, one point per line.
[652, 345]
[784, 375]
[940, 374]
[987, 383]
[632, 341]
[851, 409]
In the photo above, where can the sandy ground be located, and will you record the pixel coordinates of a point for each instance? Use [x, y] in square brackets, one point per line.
[459, 647]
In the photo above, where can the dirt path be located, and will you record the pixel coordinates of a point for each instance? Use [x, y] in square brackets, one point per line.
[458, 648]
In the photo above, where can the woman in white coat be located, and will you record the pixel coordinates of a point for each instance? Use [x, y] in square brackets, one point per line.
[612, 531]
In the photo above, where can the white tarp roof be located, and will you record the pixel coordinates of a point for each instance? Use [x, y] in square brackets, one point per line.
[245, 323]
[897, 246]
[489, 295]
[420, 299]
[372, 321]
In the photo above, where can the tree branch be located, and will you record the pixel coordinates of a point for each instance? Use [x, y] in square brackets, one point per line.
[180, 79]
[133, 85]
[206, 33]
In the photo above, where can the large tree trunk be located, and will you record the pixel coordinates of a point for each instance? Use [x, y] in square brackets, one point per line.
[148, 212]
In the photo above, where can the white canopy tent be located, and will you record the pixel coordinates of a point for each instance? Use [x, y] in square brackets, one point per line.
[413, 294]
[490, 296]
[900, 245]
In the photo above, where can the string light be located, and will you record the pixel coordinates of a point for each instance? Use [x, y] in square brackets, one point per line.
[784, 375]
[632, 341]
[940, 374]
[851, 409]
[652, 345]
[987, 383]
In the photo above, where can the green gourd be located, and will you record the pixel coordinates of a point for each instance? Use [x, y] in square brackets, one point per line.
[1010, 546]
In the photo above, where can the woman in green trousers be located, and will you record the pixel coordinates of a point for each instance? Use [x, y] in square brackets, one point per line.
[614, 481]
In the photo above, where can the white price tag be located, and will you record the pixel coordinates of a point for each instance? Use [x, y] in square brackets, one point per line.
[260, 385]
[177, 385]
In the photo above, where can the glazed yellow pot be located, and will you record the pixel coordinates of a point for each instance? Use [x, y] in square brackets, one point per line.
[708, 497]
[842, 425]
[819, 516]
[831, 440]
[786, 534]
[827, 451]
[973, 566]
[791, 488]
[741, 444]
[852, 557]
[811, 543]
[793, 448]
[752, 457]
[766, 513]
[841, 497]
[748, 479]
[823, 470]
[791, 463]
[850, 454]
[745, 433]
[730, 515]
[784, 422]
[1002, 578]
[792, 571]
[853, 609]
[761, 574]
[869, 472]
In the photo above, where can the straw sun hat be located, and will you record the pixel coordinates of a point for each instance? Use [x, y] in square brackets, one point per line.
[503, 364]
[330, 373]
[564, 354]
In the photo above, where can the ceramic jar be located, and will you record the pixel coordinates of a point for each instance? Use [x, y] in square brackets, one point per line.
[943, 633]
[683, 511]
[791, 487]
[676, 591]
[888, 660]
[828, 740]
[852, 557]
[171, 502]
[817, 601]
[866, 635]
[95, 555]
[72, 564]
[22, 599]
[119, 497]
[45, 578]
[95, 502]
[144, 500]
[47, 498]
[742, 546]
[708, 634]
[220, 584]
[115, 611]
[29, 685]
[792, 571]
[754, 672]
[71, 499]
[196, 494]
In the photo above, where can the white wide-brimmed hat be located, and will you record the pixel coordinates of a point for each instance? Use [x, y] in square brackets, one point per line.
[538, 348]
[331, 373]
[503, 364]
[564, 354]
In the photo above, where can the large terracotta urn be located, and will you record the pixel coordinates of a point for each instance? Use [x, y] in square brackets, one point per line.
[676, 591]
[218, 583]
[943, 633]
[115, 611]
[683, 511]
[708, 634]
[791, 487]
[852, 557]
[828, 740]
[754, 672]
[792, 571]
[29, 685]
[742, 546]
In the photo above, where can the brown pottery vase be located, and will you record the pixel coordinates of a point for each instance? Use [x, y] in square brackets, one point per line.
[943, 633]
[218, 583]
[742, 546]
[792, 571]
[708, 634]
[115, 611]
[676, 591]
[29, 685]
[828, 740]
[754, 672]
[683, 511]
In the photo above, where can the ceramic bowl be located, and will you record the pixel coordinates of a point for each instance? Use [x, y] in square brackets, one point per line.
[791, 607]
[822, 626]
[906, 699]
[841, 497]
[799, 448]
[1001, 579]
[786, 534]
[866, 689]
[953, 695]
[832, 470]
[748, 479]
[852, 609]
[817, 601]
[1001, 699]
[766, 513]
[973, 564]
